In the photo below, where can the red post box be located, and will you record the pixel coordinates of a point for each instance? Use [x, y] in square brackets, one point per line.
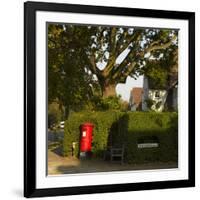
[86, 130]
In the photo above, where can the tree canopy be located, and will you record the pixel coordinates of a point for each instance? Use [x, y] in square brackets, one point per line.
[126, 51]
[69, 82]
[86, 59]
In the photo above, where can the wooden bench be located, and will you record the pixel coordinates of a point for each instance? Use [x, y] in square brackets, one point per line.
[115, 152]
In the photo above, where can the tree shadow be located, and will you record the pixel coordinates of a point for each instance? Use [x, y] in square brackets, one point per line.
[117, 136]
[118, 131]
[55, 142]
[145, 144]
[58, 150]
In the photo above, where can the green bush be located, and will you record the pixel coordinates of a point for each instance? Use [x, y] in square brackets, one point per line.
[128, 129]
[97, 103]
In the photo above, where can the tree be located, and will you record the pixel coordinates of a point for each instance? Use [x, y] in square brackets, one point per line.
[81, 58]
[125, 52]
[163, 73]
[68, 78]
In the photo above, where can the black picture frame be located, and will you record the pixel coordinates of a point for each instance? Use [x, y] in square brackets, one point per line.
[30, 9]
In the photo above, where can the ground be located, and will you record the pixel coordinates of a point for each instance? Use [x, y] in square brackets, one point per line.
[58, 164]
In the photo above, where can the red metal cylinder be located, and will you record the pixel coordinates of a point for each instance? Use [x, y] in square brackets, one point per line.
[86, 130]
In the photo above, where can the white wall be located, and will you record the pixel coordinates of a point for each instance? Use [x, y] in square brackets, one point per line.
[11, 100]
[162, 98]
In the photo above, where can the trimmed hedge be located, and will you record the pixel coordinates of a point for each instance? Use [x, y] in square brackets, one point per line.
[128, 129]
[144, 127]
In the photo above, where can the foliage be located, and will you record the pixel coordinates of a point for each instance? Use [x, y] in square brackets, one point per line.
[138, 47]
[149, 103]
[109, 103]
[128, 129]
[159, 71]
[97, 103]
[68, 80]
[54, 114]
[75, 51]
[157, 75]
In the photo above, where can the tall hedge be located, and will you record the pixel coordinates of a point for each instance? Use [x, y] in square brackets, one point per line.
[128, 129]
[161, 128]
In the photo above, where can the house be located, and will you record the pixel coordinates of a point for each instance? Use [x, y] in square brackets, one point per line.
[135, 101]
[159, 98]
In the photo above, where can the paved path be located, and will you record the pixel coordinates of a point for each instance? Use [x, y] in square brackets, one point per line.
[68, 165]
[54, 136]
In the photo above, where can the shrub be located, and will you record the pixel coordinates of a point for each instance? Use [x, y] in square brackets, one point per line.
[98, 103]
[111, 102]
[128, 129]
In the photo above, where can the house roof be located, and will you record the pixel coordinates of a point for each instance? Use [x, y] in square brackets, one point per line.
[136, 94]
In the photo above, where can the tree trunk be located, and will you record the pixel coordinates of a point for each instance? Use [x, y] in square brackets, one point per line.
[109, 90]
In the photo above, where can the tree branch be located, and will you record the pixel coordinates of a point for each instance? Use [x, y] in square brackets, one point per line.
[153, 47]
[119, 68]
[110, 66]
[172, 85]
[113, 40]
[135, 37]
[121, 78]
[93, 67]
